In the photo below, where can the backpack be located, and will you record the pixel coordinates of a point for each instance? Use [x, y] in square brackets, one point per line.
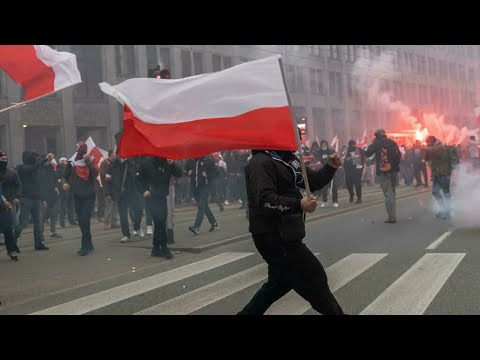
[452, 156]
[389, 155]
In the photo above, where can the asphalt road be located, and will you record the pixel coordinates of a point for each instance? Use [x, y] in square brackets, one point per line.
[421, 265]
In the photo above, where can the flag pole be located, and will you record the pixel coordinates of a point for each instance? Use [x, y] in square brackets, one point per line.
[295, 130]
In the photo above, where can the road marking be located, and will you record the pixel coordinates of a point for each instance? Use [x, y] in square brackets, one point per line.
[209, 294]
[437, 242]
[413, 292]
[339, 274]
[126, 291]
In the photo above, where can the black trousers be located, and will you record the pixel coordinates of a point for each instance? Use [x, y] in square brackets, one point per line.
[84, 208]
[157, 207]
[66, 207]
[6, 228]
[128, 203]
[291, 268]
[418, 169]
[353, 177]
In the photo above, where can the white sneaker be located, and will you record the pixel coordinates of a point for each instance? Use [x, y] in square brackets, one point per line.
[138, 233]
[124, 239]
[239, 201]
[226, 202]
[149, 230]
[324, 204]
[335, 205]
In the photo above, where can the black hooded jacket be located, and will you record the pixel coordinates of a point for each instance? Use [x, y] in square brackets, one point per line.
[11, 185]
[29, 174]
[322, 155]
[154, 176]
[272, 190]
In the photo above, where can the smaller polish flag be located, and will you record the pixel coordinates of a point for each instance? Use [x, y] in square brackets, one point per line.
[97, 155]
[334, 143]
[39, 69]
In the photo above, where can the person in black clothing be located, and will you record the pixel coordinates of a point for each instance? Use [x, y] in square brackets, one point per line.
[10, 191]
[153, 181]
[203, 175]
[323, 155]
[31, 201]
[80, 176]
[387, 157]
[121, 186]
[66, 197]
[12, 187]
[277, 223]
[49, 190]
[353, 165]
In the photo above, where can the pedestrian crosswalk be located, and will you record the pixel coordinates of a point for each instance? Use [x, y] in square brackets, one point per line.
[411, 293]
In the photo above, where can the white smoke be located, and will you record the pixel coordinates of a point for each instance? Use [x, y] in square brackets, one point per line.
[465, 201]
[369, 73]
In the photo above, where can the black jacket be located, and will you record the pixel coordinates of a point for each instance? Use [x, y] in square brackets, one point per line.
[121, 179]
[355, 161]
[48, 183]
[272, 192]
[11, 185]
[29, 174]
[376, 148]
[154, 176]
[79, 187]
[207, 165]
[322, 155]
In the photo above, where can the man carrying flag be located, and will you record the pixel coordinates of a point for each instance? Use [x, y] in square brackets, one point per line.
[80, 175]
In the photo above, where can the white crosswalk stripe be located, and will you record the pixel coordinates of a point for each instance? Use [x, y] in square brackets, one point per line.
[339, 274]
[417, 287]
[411, 293]
[119, 293]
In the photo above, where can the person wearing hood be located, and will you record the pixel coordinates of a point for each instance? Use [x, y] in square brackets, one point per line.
[353, 165]
[10, 193]
[32, 197]
[277, 210]
[440, 162]
[322, 155]
[154, 182]
[387, 157]
[80, 176]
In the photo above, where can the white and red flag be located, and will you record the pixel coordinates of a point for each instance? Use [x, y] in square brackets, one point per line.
[364, 140]
[97, 155]
[39, 69]
[334, 143]
[243, 107]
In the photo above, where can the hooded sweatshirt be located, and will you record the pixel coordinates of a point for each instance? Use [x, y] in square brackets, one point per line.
[29, 175]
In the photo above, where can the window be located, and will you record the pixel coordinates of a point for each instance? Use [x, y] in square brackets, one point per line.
[166, 58]
[471, 74]
[351, 53]
[349, 86]
[453, 71]
[315, 50]
[432, 67]
[90, 66]
[413, 64]
[378, 50]
[186, 63]
[339, 85]
[338, 124]
[319, 121]
[355, 124]
[334, 52]
[333, 87]
[227, 62]
[152, 57]
[125, 60]
[217, 62]
[421, 65]
[299, 86]
[316, 82]
[461, 72]
[469, 51]
[198, 67]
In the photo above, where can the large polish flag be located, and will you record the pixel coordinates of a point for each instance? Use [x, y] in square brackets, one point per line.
[243, 107]
[39, 69]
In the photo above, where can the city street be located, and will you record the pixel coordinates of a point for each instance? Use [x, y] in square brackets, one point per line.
[420, 265]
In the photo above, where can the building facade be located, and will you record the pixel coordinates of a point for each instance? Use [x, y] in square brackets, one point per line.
[322, 80]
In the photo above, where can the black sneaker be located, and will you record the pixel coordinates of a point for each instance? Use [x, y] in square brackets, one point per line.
[214, 228]
[55, 235]
[194, 230]
[41, 247]
[62, 225]
[351, 199]
[359, 201]
[83, 252]
[156, 252]
[17, 250]
[165, 252]
[13, 256]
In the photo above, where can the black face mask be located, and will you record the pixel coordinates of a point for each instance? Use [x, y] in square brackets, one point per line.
[3, 165]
